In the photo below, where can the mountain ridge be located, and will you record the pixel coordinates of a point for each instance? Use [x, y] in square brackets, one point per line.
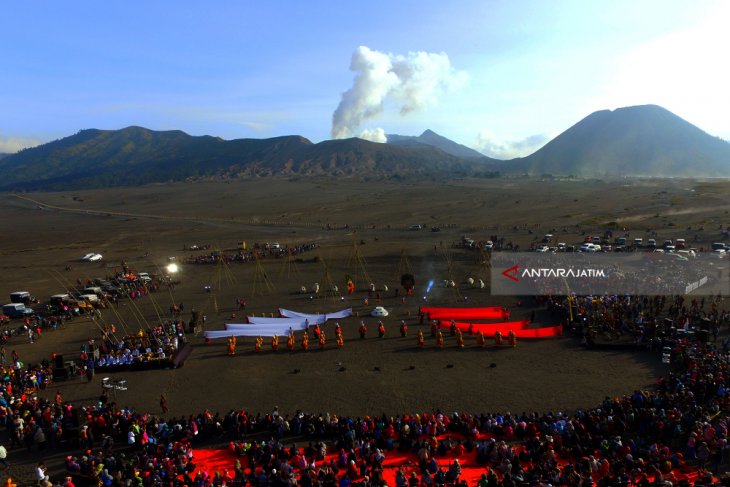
[136, 155]
[431, 138]
[644, 140]
[641, 140]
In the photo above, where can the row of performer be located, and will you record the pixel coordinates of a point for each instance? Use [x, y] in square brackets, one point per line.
[321, 338]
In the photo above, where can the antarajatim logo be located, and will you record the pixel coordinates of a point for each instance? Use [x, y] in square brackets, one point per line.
[511, 273]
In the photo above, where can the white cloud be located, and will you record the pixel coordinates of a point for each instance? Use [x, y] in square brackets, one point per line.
[411, 82]
[11, 145]
[492, 146]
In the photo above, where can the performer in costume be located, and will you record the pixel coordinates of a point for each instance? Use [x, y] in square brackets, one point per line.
[363, 329]
[403, 328]
[420, 339]
[275, 343]
[480, 339]
[381, 329]
[305, 341]
[440, 339]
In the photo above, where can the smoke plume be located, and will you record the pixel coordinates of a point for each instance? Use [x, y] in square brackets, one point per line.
[409, 82]
[374, 135]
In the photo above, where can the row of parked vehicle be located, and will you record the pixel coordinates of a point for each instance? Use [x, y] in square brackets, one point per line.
[21, 302]
[621, 244]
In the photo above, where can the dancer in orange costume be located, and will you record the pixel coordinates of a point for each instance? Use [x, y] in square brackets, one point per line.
[259, 343]
[363, 329]
[381, 329]
[231, 346]
[290, 341]
[440, 339]
[275, 343]
[480, 339]
[498, 339]
[459, 339]
[340, 340]
[420, 339]
[512, 339]
[305, 341]
[322, 340]
[403, 328]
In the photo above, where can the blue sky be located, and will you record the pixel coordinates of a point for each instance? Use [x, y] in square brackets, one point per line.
[526, 70]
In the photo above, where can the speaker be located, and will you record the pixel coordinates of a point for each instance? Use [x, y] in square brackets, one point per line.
[60, 373]
[59, 362]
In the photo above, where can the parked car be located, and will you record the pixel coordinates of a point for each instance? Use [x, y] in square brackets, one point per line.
[17, 310]
[587, 247]
[680, 243]
[651, 243]
[21, 297]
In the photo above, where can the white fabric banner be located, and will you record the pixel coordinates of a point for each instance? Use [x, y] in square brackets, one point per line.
[316, 319]
[246, 333]
[295, 326]
[260, 320]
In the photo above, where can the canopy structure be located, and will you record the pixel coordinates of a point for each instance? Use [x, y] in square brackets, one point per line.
[316, 319]
[489, 313]
[488, 329]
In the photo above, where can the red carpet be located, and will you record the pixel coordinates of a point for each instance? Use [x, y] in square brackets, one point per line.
[219, 460]
[489, 313]
[488, 329]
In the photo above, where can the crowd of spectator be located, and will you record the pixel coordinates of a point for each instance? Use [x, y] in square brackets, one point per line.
[258, 251]
[647, 437]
